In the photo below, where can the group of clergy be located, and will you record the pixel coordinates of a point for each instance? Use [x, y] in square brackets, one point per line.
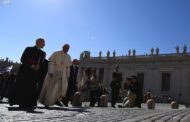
[41, 80]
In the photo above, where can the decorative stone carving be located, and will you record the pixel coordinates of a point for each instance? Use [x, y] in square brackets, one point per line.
[114, 53]
[157, 51]
[82, 55]
[177, 49]
[152, 51]
[100, 54]
[174, 105]
[7, 59]
[151, 104]
[184, 49]
[86, 54]
[108, 54]
[129, 52]
[134, 52]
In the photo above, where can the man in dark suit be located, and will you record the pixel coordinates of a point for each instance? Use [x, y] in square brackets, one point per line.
[24, 92]
[138, 90]
[72, 82]
[116, 85]
[118, 75]
[115, 88]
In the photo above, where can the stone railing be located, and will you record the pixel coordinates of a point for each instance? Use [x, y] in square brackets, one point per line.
[140, 56]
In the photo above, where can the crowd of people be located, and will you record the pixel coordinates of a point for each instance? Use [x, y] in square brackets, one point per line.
[54, 81]
[39, 79]
[134, 96]
[6, 83]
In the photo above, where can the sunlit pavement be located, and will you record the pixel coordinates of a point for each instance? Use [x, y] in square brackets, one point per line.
[161, 113]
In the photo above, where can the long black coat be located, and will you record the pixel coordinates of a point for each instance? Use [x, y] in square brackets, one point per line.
[24, 91]
[72, 85]
[72, 82]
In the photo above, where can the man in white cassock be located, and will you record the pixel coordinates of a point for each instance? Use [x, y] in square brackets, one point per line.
[56, 81]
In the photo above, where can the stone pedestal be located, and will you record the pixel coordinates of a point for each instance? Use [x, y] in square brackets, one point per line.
[103, 100]
[151, 104]
[77, 100]
[174, 105]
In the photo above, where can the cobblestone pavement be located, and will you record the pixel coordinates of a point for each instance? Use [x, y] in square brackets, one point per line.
[161, 113]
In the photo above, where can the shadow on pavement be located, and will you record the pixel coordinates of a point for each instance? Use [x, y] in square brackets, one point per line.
[28, 110]
[78, 109]
[2, 102]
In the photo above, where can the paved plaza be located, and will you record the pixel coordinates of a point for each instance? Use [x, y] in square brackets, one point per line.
[161, 113]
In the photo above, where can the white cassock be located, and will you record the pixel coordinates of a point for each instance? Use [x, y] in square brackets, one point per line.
[56, 86]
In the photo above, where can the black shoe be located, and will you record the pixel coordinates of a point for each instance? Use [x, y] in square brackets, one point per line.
[46, 106]
[66, 105]
[10, 103]
[92, 105]
[59, 104]
[27, 107]
[1, 100]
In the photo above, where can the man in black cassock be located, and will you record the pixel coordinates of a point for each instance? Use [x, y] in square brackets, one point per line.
[24, 91]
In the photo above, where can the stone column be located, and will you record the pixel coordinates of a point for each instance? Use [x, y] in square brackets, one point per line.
[80, 76]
